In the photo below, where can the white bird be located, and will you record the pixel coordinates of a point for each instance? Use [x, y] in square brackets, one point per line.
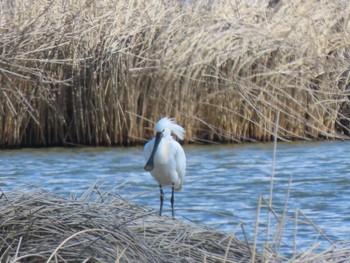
[166, 160]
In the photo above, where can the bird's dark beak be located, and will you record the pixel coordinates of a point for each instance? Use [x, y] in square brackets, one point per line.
[150, 165]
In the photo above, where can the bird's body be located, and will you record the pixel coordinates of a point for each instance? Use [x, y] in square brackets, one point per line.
[166, 160]
[169, 162]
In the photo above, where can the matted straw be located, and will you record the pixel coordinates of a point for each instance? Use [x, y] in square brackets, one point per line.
[37, 226]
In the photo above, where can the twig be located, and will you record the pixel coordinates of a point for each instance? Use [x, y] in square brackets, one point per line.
[277, 116]
[256, 229]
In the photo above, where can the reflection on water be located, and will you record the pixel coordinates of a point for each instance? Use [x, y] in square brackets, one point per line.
[222, 187]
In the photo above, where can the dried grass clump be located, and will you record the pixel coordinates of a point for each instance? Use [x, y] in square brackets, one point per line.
[36, 226]
[98, 72]
[338, 253]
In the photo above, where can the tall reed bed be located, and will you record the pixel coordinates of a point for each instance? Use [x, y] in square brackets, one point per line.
[100, 72]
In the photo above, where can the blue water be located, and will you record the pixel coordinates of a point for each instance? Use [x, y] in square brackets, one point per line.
[222, 188]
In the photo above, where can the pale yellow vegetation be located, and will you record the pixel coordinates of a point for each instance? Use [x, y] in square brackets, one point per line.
[99, 72]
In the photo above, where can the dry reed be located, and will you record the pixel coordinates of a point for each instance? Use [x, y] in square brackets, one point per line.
[337, 253]
[99, 72]
[36, 226]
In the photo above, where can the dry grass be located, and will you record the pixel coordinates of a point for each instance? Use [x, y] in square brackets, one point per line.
[36, 226]
[272, 250]
[99, 72]
[277, 223]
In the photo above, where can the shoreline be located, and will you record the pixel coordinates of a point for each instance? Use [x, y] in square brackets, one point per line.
[37, 225]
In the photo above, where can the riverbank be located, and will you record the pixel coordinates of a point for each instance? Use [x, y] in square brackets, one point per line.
[37, 226]
[100, 72]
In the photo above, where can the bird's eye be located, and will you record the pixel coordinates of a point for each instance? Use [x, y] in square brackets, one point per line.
[163, 130]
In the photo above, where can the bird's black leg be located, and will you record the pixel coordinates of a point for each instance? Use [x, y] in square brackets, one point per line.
[172, 200]
[161, 200]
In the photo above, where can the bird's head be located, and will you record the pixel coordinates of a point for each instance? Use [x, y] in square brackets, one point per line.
[166, 126]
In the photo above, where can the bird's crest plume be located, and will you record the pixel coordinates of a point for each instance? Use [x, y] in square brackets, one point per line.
[174, 127]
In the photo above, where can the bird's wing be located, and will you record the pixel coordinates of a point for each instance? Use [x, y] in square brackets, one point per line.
[180, 159]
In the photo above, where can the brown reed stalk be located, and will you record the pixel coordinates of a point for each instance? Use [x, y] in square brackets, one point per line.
[100, 72]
